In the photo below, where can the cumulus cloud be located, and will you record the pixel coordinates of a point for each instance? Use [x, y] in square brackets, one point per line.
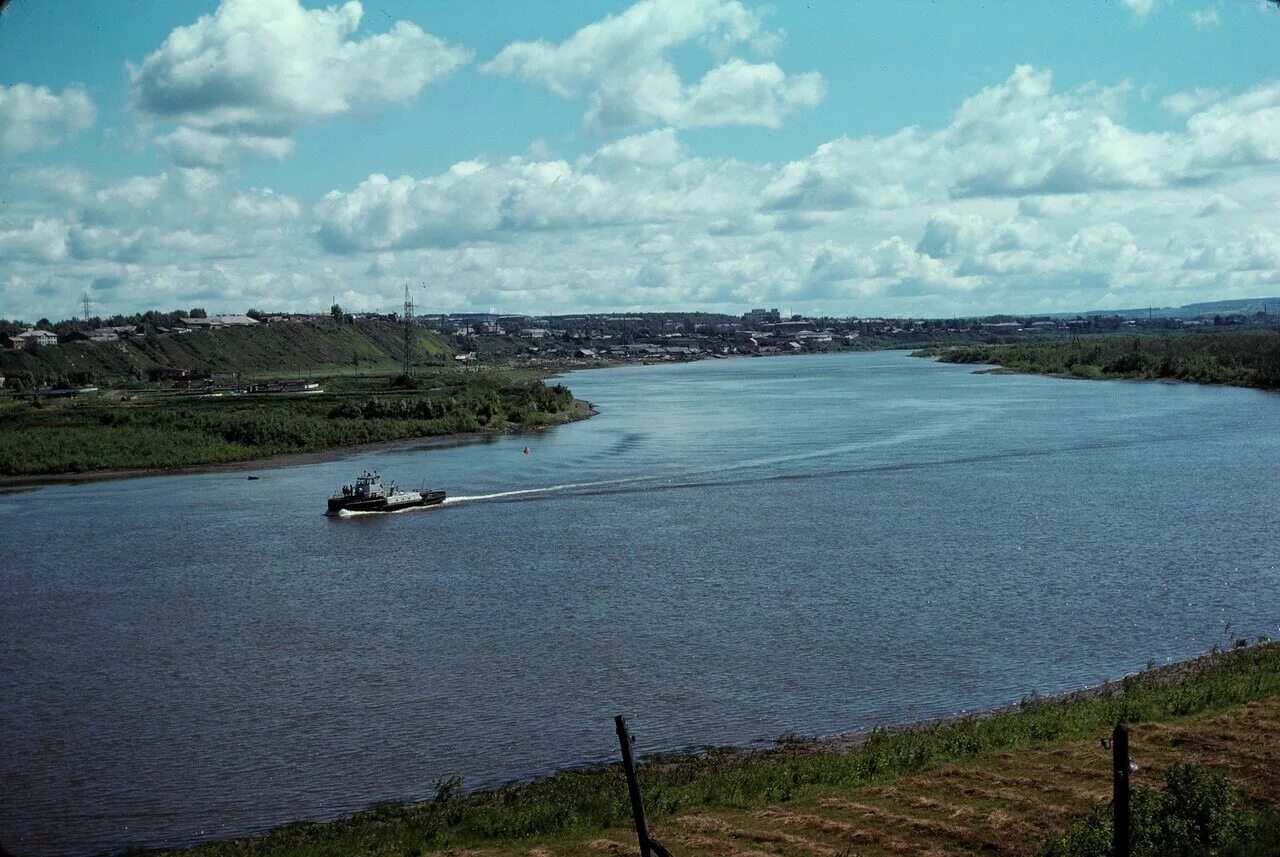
[1021, 138]
[238, 82]
[45, 240]
[621, 63]
[34, 117]
[1026, 198]
[641, 179]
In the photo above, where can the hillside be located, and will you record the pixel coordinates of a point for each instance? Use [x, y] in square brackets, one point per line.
[281, 347]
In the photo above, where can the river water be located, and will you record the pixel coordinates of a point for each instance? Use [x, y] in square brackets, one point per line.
[730, 550]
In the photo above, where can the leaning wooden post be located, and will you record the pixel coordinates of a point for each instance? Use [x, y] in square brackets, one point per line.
[633, 785]
[1121, 820]
[648, 845]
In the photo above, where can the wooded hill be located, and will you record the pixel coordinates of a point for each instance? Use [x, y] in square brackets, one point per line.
[284, 348]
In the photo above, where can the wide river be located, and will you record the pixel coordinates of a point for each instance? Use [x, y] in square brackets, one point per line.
[732, 549]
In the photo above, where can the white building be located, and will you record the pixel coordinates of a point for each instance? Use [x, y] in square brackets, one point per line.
[32, 337]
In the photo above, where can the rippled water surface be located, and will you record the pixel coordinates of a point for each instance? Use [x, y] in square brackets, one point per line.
[732, 549]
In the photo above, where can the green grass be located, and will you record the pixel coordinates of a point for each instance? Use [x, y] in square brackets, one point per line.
[154, 431]
[1245, 359]
[582, 802]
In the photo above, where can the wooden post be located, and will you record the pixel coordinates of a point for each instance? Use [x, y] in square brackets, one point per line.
[1121, 820]
[633, 785]
[648, 845]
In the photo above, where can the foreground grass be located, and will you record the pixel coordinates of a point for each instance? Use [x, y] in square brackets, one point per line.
[151, 432]
[1247, 359]
[571, 807]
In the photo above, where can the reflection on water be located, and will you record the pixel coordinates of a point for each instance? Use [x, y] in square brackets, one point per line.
[814, 544]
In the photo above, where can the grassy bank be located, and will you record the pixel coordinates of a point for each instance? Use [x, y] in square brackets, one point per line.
[1246, 359]
[570, 811]
[149, 431]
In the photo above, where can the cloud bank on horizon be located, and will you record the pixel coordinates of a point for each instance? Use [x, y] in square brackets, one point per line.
[692, 166]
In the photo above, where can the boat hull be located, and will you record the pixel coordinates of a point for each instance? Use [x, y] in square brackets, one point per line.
[409, 500]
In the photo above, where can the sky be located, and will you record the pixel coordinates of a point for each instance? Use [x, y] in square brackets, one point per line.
[891, 157]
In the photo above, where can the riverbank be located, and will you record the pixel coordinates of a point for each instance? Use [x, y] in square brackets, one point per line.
[582, 410]
[586, 811]
[1249, 359]
[93, 438]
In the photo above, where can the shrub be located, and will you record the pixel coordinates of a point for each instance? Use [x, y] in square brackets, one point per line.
[1197, 814]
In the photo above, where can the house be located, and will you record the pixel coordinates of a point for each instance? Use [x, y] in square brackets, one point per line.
[31, 338]
[101, 334]
[235, 320]
[585, 353]
[214, 322]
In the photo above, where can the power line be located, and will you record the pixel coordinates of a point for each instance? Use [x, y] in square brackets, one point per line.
[408, 332]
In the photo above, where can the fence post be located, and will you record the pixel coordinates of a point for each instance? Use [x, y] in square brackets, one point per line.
[648, 845]
[1121, 820]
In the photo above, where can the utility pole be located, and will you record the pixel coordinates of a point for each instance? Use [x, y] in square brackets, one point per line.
[1122, 819]
[408, 332]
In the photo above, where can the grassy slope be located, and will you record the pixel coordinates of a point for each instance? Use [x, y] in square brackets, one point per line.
[1246, 359]
[699, 801]
[280, 348]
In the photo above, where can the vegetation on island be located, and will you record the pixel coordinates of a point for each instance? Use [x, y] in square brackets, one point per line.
[167, 430]
[1243, 359]
[587, 811]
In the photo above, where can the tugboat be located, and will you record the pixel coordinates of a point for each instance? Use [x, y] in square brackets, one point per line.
[370, 495]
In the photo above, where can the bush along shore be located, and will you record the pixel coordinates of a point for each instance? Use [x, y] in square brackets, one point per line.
[152, 432]
[1247, 359]
[574, 805]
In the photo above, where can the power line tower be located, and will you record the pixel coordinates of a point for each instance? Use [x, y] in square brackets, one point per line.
[88, 306]
[408, 332]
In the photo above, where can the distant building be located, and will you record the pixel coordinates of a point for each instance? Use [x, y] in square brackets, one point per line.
[761, 316]
[31, 338]
[216, 321]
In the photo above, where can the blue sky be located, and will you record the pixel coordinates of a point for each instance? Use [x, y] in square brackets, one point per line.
[871, 157]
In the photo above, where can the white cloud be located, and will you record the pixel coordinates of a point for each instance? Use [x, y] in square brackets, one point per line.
[45, 240]
[238, 82]
[1020, 137]
[1189, 101]
[1026, 198]
[641, 179]
[1240, 131]
[1206, 18]
[34, 117]
[1140, 8]
[190, 147]
[622, 64]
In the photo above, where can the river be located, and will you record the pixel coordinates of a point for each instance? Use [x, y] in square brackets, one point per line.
[732, 549]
